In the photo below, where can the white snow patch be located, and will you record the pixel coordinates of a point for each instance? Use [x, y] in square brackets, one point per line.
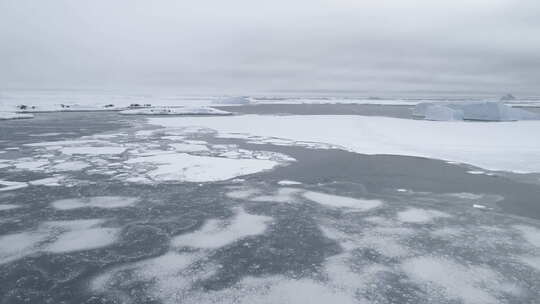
[420, 216]
[218, 233]
[337, 201]
[106, 202]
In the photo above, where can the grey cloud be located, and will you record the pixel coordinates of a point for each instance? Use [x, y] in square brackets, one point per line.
[475, 46]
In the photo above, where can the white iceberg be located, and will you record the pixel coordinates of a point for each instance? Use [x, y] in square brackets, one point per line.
[13, 115]
[176, 111]
[437, 112]
[481, 111]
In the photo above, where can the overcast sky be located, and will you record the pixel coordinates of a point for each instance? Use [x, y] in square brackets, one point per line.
[244, 46]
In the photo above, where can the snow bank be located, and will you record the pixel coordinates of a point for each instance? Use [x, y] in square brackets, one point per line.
[176, 111]
[507, 146]
[13, 115]
[483, 111]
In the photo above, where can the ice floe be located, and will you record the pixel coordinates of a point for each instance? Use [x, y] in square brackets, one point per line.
[420, 216]
[4, 207]
[191, 168]
[107, 202]
[530, 234]
[506, 146]
[186, 147]
[71, 166]
[80, 235]
[337, 201]
[218, 233]
[10, 185]
[57, 237]
[443, 279]
[93, 150]
[288, 183]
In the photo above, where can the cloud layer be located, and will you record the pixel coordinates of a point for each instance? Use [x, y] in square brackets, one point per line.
[464, 46]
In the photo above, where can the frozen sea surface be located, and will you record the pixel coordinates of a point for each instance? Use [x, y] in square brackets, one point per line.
[144, 214]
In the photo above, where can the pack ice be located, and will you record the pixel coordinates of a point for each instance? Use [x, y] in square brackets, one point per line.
[482, 111]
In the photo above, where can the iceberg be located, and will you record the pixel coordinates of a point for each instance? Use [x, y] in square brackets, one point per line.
[176, 111]
[442, 113]
[480, 111]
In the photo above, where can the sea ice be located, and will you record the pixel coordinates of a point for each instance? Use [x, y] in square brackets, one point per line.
[18, 245]
[93, 150]
[218, 233]
[8, 185]
[185, 147]
[70, 166]
[288, 183]
[77, 235]
[507, 146]
[419, 216]
[337, 201]
[445, 279]
[530, 234]
[107, 202]
[85, 239]
[191, 168]
[8, 206]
